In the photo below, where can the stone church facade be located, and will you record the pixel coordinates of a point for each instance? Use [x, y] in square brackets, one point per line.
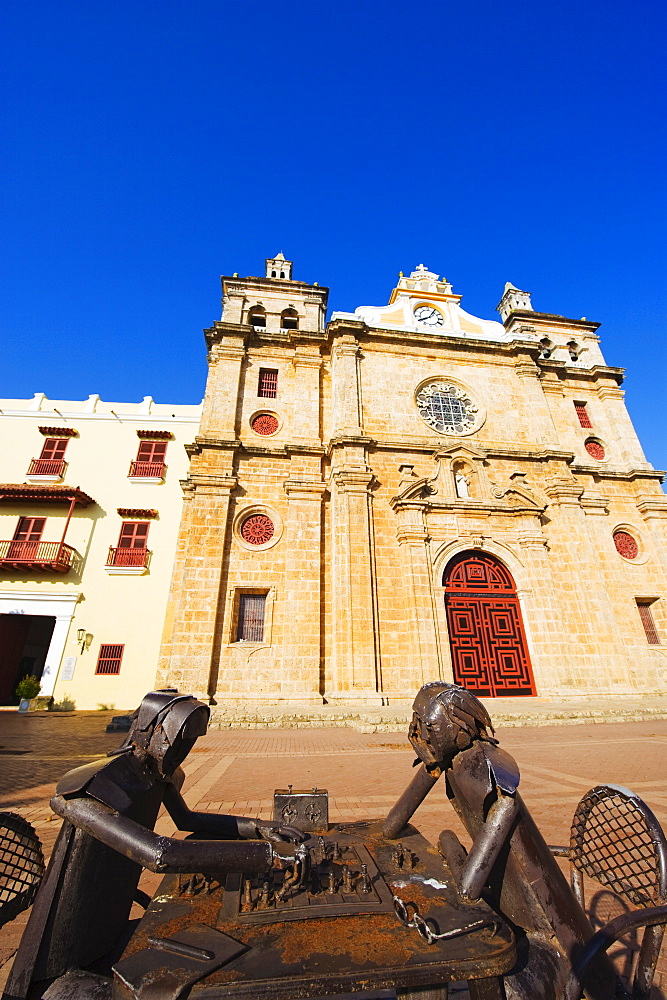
[409, 492]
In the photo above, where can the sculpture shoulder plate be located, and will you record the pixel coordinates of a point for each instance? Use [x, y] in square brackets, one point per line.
[114, 781]
[503, 768]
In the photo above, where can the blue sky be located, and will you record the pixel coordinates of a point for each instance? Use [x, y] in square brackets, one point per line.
[150, 147]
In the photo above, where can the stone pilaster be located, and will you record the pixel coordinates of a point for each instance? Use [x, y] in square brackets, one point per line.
[226, 358]
[189, 639]
[300, 664]
[413, 542]
[346, 391]
[307, 363]
[355, 659]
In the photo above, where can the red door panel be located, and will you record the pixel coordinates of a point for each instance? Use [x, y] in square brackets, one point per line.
[488, 643]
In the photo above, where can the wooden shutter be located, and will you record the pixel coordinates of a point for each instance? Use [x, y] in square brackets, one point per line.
[53, 449]
[29, 529]
[133, 535]
[109, 660]
[268, 382]
[251, 617]
[152, 451]
[582, 413]
[646, 615]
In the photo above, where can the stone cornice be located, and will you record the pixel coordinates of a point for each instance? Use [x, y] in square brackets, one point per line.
[570, 373]
[352, 480]
[652, 506]
[219, 444]
[304, 489]
[529, 318]
[208, 482]
[215, 333]
[628, 475]
[466, 507]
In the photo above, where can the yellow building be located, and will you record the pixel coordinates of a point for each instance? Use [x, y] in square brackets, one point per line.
[90, 503]
[410, 492]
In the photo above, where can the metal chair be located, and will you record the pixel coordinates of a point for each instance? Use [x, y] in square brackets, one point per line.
[616, 840]
[21, 865]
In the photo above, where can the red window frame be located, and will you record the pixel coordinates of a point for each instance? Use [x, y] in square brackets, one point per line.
[267, 383]
[109, 658]
[252, 614]
[648, 621]
[582, 413]
[53, 449]
[152, 452]
[133, 535]
[29, 529]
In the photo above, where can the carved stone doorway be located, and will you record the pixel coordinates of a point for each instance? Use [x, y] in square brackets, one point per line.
[486, 634]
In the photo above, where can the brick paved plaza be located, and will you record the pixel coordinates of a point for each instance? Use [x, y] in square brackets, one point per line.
[237, 771]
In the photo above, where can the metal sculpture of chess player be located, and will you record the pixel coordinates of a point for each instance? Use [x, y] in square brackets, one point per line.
[110, 808]
[509, 863]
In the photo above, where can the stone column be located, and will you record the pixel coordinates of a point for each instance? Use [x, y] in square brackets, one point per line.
[355, 666]
[189, 637]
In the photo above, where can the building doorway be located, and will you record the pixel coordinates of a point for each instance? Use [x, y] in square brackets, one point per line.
[24, 643]
[486, 634]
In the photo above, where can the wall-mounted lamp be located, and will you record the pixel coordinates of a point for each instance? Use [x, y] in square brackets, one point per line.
[85, 638]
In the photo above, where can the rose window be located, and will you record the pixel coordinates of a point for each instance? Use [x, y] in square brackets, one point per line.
[265, 424]
[594, 449]
[257, 529]
[626, 545]
[446, 408]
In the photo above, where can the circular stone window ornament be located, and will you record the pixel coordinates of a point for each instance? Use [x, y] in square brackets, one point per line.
[257, 529]
[594, 449]
[626, 545]
[447, 408]
[265, 424]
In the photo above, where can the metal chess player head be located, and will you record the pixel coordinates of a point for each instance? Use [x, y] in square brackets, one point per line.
[165, 729]
[446, 719]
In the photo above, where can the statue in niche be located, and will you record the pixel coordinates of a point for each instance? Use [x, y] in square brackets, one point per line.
[462, 484]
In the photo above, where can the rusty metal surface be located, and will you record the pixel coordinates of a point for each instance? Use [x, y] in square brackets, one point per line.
[289, 959]
[306, 810]
[168, 965]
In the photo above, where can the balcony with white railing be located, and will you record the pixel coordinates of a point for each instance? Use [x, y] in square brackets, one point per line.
[46, 470]
[127, 561]
[148, 471]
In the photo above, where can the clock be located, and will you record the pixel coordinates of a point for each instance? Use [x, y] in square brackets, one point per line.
[429, 316]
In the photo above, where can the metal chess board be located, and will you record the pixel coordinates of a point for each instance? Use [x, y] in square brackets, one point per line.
[342, 881]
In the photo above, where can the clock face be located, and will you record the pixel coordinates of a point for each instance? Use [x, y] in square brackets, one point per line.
[429, 316]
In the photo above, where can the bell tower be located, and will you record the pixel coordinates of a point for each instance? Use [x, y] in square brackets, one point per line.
[278, 267]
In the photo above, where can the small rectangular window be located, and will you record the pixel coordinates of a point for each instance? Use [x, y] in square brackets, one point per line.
[646, 615]
[582, 413]
[251, 618]
[152, 451]
[268, 383]
[53, 449]
[108, 662]
[29, 529]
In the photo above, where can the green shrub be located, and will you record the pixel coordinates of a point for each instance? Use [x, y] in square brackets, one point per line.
[66, 705]
[102, 707]
[28, 688]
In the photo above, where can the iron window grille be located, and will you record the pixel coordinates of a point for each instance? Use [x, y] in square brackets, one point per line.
[648, 621]
[250, 626]
[582, 413]
[268, 383]
[109, 660]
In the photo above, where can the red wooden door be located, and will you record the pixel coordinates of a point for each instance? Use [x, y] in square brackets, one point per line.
[486, 634]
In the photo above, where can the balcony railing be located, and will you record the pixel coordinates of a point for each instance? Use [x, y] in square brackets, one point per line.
[50, 557]
[46, 467]
[128, 557]
[147, 470]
